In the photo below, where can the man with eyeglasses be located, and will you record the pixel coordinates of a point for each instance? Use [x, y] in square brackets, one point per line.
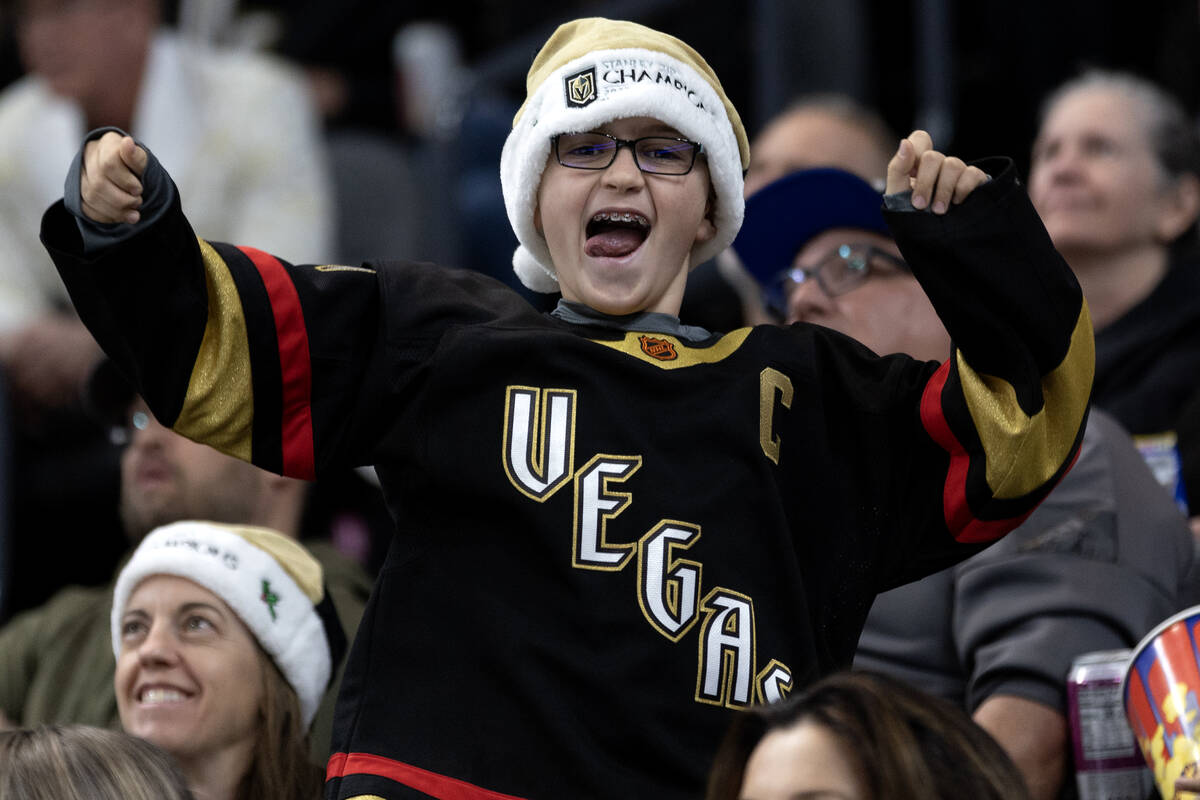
[1094, 568]
[837, 275]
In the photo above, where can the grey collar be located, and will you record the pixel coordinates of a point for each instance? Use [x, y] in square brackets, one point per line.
[649, 321]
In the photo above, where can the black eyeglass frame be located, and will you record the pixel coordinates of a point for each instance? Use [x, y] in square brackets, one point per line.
[697, 149]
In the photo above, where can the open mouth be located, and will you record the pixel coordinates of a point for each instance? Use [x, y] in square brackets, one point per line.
[612, 234]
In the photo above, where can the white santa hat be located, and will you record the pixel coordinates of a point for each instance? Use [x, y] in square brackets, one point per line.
[593, 71]
[270, 581]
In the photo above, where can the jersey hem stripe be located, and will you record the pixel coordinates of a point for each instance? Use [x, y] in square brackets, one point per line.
[442, 787]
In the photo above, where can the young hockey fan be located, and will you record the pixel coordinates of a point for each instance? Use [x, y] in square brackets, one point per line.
[610, 526]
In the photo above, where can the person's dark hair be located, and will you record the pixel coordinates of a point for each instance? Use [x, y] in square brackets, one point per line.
[1174, 137]
[903, 742]
[281, 766]
[77, 762]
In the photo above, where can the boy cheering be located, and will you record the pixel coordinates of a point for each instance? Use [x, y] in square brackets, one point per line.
[610, 526]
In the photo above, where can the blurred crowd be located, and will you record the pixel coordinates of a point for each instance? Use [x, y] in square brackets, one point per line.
[349, 130]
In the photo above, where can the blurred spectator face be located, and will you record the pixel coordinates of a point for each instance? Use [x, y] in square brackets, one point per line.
[801, 761]
[166, 477]
[807, 138]
[885, 309]
[78, 45]
[189, 677]
[1094, 178]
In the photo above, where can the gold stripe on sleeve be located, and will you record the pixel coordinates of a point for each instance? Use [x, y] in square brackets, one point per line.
[1024, 452]
[219, 407]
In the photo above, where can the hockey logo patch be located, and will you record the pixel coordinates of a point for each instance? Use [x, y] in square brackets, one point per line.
[661, 349]
[581, 88]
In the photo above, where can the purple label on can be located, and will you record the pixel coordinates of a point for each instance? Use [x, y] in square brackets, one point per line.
[1100, 733]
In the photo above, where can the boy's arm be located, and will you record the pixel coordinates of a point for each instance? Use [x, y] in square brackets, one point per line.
[230, 346]
[1009, 405]
[131, 265]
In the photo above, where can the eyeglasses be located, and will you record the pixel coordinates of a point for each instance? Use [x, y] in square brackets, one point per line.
[661, 155]
[120, 433]
[842, 270]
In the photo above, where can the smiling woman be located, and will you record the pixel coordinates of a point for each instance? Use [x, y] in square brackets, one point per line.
[1115, 177]
[224, 644]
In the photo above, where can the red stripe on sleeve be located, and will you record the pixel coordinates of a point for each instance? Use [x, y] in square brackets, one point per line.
[963, 525]
[294, 365]
[431, 783]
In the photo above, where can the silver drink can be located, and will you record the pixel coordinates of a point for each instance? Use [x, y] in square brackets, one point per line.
[1108, 763]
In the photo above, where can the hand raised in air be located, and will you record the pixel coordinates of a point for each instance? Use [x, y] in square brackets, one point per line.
[936, 180]
[111, 178]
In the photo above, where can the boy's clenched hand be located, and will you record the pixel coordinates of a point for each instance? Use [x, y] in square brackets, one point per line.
[110, 180]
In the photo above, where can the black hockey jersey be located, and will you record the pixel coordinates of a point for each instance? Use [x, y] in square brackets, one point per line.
[605, 538]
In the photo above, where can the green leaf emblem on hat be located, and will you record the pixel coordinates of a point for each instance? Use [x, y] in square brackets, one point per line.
[269, 597]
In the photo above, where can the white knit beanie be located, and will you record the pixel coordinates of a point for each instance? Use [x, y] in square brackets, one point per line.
[593, 71]
[270, 581]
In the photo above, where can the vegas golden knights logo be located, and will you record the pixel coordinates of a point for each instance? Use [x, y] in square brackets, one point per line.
[660, 349]
[581, 88]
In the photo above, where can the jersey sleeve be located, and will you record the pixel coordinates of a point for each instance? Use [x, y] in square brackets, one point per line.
[1009, 405]
[291, 367]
